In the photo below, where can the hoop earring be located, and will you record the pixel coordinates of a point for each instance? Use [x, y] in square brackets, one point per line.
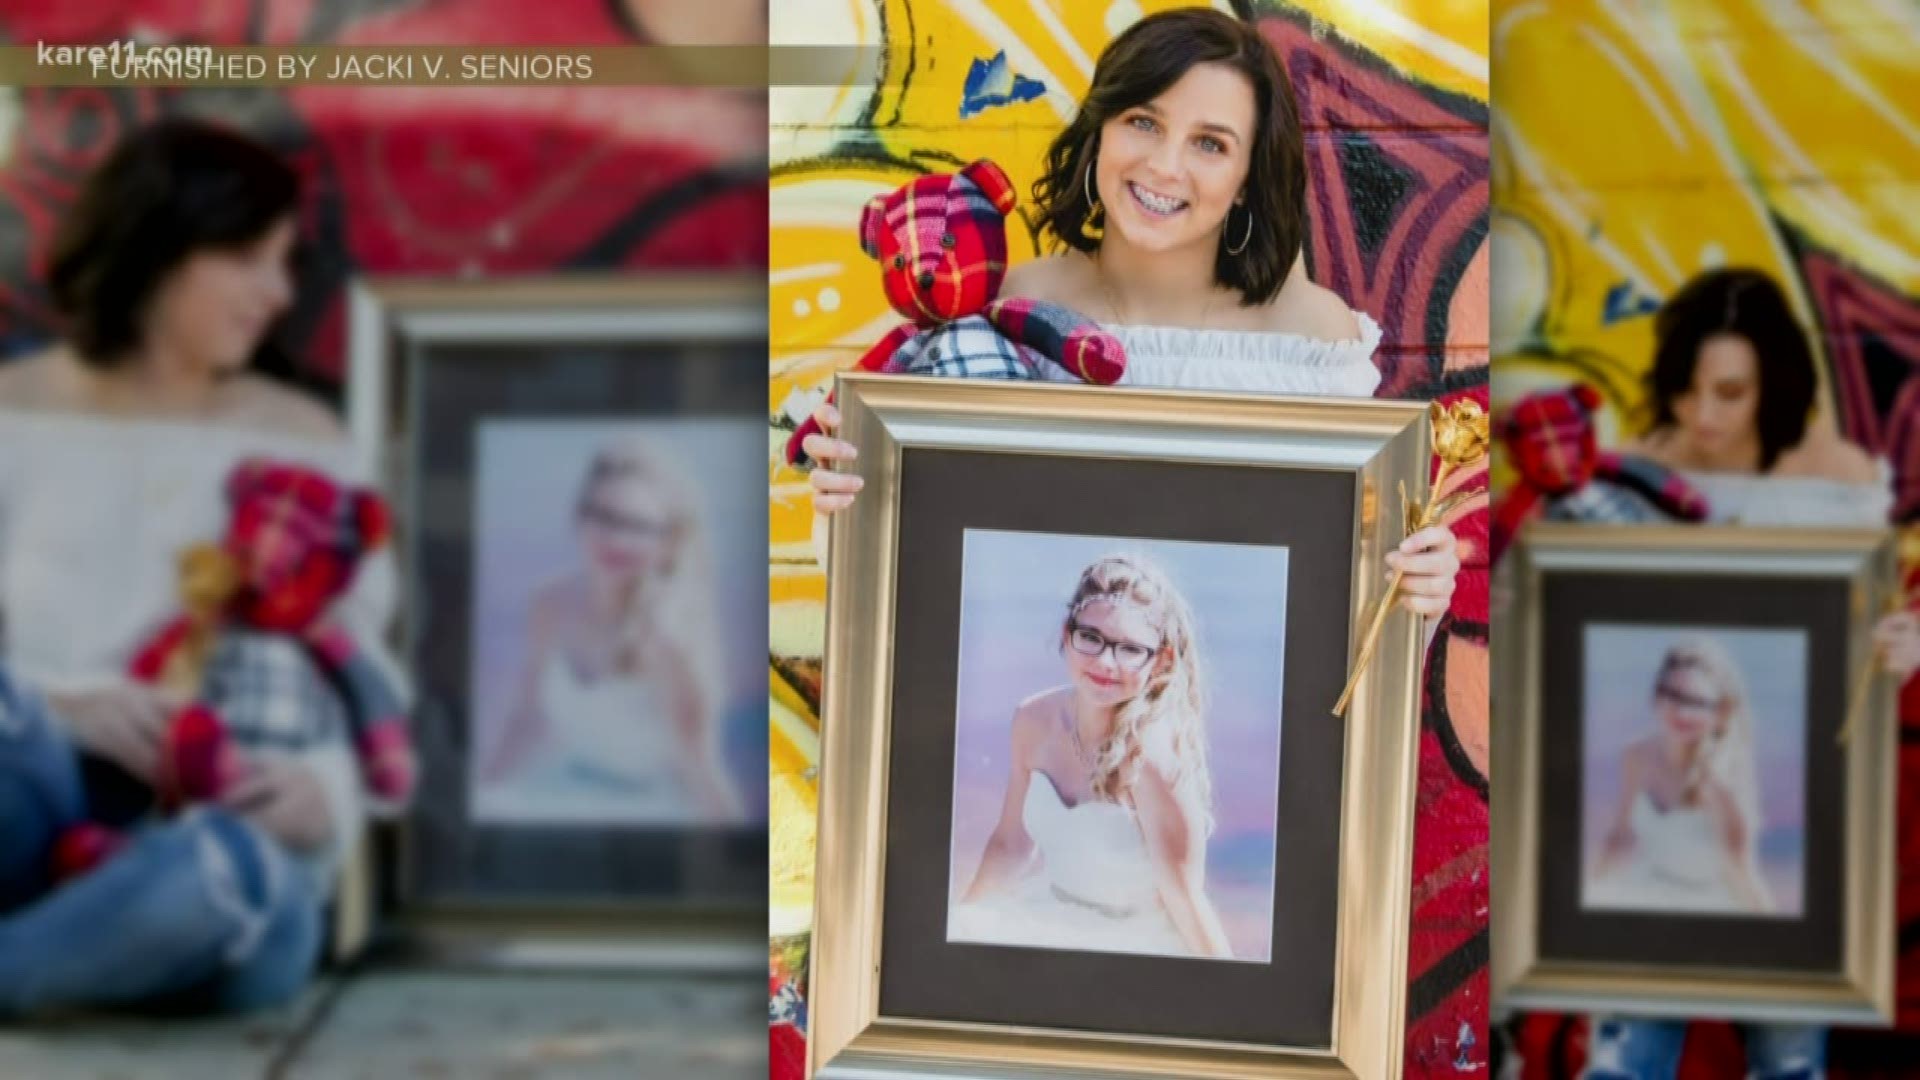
[1245, 240]
[1091, 228]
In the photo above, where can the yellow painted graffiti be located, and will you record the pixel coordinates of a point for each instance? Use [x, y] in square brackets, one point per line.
[1657, 140]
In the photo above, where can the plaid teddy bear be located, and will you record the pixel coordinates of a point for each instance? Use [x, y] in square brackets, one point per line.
[1562, 474]
[941, 242]
[254, 649]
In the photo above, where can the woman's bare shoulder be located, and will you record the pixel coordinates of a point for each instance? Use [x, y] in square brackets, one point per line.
[1311, 311]
[1041, 707]
[1635, 758]
[1831, 457]
[31, 382]
[1035, 719]
[263, 403]
[1053, 278]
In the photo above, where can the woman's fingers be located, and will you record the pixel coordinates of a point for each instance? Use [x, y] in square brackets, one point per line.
[1433, 540]
[1894, 629]
[1898, 639]
[1429, 562]
[1433, 564]
[825, 450]
[1425, 605]
[833, 483]
[833, 491]
[1437, 588]
[827, 417]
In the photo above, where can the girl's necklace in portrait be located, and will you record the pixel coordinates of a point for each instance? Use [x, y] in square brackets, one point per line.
[1079, 746]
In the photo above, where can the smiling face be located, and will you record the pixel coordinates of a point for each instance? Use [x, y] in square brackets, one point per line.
[216, 307]
[1171, 169]
[1111, 650]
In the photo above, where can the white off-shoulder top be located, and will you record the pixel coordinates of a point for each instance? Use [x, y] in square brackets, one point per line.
[1795, 501]
[1254, 361]
[1250, 361]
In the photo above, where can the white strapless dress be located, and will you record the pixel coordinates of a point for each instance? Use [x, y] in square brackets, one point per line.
[610, 756]
[1675, 866]
[1092, 892]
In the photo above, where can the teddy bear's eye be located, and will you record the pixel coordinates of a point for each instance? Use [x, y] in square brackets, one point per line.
[946, 240]
[899, 262]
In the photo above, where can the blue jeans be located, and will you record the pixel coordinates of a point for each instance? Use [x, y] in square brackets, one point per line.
[1636, 1049]
[202, 912]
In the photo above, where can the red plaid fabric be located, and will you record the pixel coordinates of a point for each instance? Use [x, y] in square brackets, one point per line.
[1551, 438]
[298, 535]
[280, 673]
[1550, 444]
[941, 242]
[380, 722]
[1562, 474]
[1074, 341]
[197, 760]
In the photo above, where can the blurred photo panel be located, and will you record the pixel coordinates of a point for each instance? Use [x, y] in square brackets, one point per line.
[381, 544]
[608, 694]
[1705, 314]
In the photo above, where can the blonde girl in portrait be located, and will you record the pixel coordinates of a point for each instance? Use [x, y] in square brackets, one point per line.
[619, 694]
[1685, 830]
[1102, 838]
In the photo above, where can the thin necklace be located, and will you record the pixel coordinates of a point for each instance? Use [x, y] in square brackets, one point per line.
[1079, 746]
[1113, 303]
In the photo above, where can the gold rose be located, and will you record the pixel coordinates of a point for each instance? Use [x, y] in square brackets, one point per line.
[1460, 438]
[1897, 601]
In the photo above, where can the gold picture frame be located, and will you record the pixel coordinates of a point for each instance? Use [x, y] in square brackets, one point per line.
[1859, 990]
[1381, 446]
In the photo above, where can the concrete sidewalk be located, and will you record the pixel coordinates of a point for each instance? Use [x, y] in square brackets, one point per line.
[399, 1024]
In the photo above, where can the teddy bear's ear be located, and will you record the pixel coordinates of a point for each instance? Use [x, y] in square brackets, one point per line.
[372, 520]
[244, 478]
[993, 180]
[873, 218]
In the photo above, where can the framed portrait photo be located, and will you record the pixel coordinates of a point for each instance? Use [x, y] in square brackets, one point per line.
[1694, 811]
[1085, 803]
[577, 466]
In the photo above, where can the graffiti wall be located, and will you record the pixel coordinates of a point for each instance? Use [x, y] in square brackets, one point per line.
[464, 181]
[1699, 146]
[1394, 98]
[1702, 143]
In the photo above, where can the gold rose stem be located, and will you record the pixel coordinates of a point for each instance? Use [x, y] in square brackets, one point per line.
[1372, 639]
[1367, 645]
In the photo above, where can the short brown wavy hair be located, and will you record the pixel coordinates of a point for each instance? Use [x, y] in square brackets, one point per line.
[1751, 304]
[167, 191]
[1138, 66]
